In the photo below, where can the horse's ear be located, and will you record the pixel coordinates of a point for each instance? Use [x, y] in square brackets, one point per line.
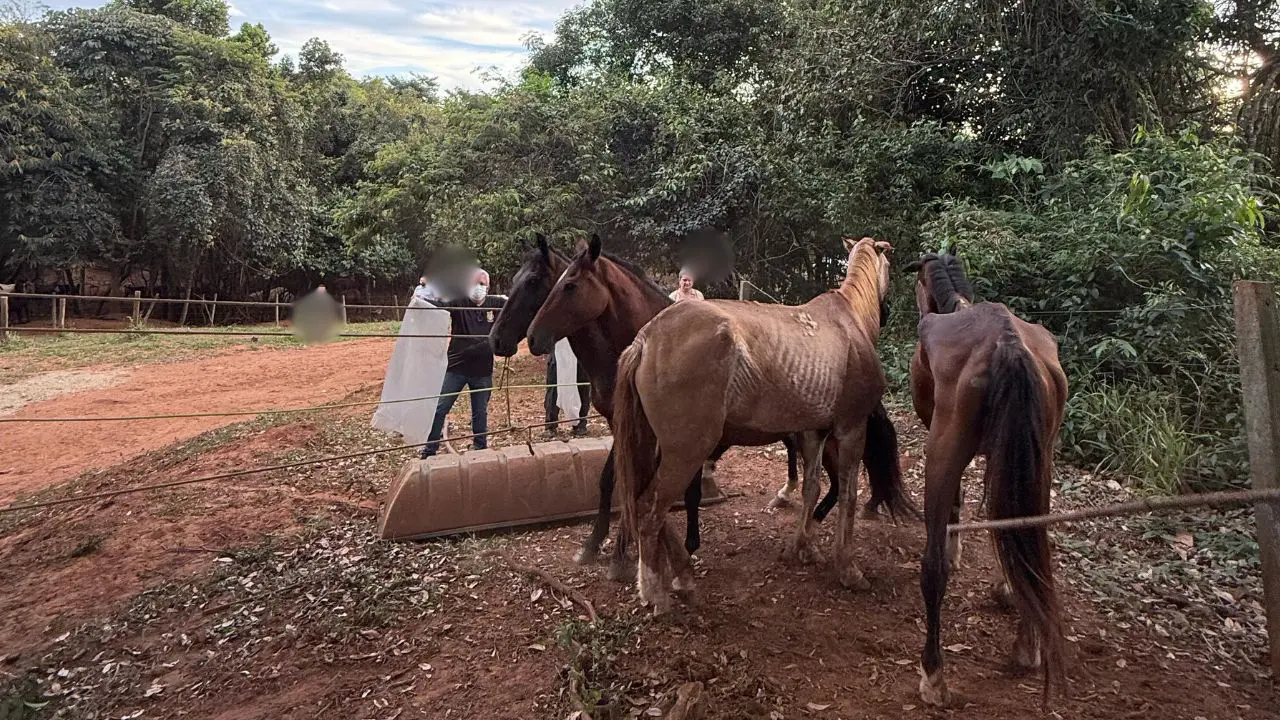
[595, 246]
[543, 247]
[913, 266]
[848, 243]
[952, 250]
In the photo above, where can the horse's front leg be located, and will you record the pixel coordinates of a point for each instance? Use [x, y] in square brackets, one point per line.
[692, 501]
[590, 549]
[852, 444]
[801, 549]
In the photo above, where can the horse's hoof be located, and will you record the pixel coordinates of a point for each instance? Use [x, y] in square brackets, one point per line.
[801, 552]
[1026, 656]
[869, 513]
[778, 502]
[683, 590]
[853, 579]
[1002, 594]
[586, 555]
[934, 691]
[622, 571]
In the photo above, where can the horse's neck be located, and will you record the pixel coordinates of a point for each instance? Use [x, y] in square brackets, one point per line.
[600, 363]
[630, 308]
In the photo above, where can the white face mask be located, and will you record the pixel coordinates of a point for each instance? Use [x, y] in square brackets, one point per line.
[478, 293]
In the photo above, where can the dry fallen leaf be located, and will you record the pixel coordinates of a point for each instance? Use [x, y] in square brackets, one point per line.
[816, 707]
[538, 646]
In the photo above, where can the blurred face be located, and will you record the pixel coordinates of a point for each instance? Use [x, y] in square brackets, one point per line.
[686, 283]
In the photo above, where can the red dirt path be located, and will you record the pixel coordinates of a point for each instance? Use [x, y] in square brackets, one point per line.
[37, 456]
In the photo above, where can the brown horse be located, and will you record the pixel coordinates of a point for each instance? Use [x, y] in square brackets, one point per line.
[706, 373]
[985, 382]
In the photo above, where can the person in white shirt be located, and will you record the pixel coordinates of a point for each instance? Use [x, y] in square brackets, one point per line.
[686, 291]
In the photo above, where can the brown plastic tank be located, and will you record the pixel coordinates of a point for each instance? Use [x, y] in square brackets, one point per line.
[499, 488]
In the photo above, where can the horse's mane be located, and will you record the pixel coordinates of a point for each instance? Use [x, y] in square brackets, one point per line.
[637, 274]
[947, 282]
[862, 280]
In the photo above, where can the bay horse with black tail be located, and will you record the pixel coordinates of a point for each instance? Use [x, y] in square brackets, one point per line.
[985, 382]
[703, 374]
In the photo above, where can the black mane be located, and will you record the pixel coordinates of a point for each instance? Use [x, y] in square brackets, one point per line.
[947, 282]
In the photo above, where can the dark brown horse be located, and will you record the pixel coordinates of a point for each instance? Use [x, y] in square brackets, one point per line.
[985, 382]
[708, 373]
[602, 294]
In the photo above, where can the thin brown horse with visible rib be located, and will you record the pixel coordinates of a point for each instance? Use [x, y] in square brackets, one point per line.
[707, 373]
[605, 297]
[985, 382]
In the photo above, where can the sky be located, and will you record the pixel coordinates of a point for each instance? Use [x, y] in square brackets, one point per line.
[452, 40]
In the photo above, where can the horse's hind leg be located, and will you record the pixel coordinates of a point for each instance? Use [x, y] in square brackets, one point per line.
[660, 553]
[852, 444]
[946, 455]
[801, 549]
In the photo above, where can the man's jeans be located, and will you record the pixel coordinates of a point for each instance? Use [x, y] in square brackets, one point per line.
[454, 383]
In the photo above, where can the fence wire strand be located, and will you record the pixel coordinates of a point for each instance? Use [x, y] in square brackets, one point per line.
[271, 411]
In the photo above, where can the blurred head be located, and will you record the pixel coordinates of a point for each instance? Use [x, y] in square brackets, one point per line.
[686, 280]
[422, 280]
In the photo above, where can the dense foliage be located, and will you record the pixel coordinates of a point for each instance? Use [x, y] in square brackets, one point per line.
[1104, 167]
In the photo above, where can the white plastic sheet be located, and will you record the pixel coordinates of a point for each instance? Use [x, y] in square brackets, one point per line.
[416, 369]
[567, 397]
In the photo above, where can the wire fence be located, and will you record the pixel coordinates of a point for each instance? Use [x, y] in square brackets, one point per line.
[227, 333]
[217, 303]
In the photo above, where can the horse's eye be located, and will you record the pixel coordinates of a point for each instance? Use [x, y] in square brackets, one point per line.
[570, 288]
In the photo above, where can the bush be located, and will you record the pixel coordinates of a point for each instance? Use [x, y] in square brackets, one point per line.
[1128, 257]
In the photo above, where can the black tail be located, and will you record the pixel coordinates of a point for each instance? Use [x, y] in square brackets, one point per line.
[883, 470]
[1019, 474]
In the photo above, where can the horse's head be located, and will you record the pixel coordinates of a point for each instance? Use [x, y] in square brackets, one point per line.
[578, 297]
[529, 289]
[941, 285]
[873, 254]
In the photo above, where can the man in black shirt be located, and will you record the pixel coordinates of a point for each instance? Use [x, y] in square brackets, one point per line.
[470, 361]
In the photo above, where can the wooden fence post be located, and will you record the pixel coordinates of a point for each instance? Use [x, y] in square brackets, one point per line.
[185, 303]
[137, 308]
[344, 309]
[277, 313]
[744, 290]
[4, 318]
[1258, 343]
[213, 309]
[53, 320]
[62, 312]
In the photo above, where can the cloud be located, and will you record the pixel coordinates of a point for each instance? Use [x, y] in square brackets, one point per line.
[446, 39]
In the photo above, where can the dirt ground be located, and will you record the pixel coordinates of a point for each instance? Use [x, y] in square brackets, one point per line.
[38, 455]
[268, 596]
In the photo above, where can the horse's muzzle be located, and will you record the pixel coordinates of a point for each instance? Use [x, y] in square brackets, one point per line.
[502, 348]
[541, 344]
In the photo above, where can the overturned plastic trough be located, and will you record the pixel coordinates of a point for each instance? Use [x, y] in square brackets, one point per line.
[500, 488]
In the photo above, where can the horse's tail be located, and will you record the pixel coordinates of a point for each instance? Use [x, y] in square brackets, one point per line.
[634, 444]
[1019, 473]
[883, 470]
